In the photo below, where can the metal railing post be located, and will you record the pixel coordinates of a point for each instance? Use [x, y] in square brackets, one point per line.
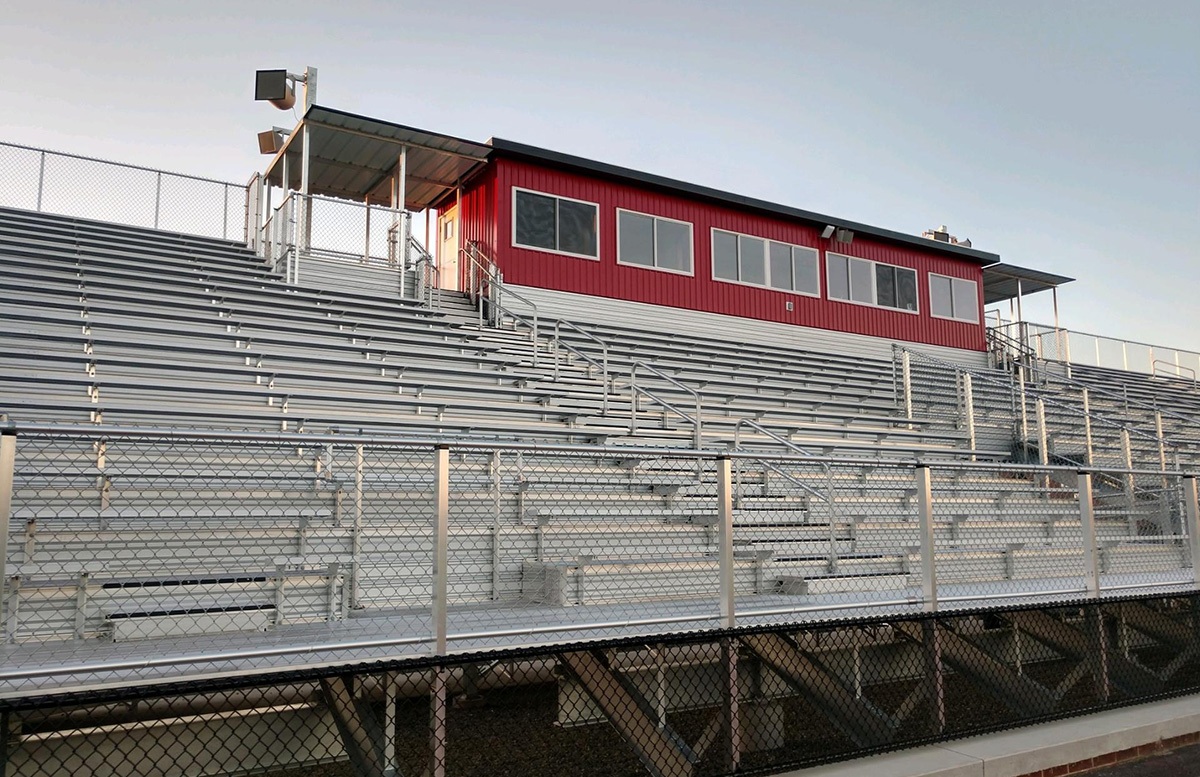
[725, 553]
[8, 457]
[1192, 510]
[1043, 434]
[925, 517]
[1087, 425]
[906, 377]
[1127, 480]
[41, 180]
[1024, 405]
[1162, 442]
[157, 197]
[1087, 523]
[356, 545]
[969, 408]
[441, 538]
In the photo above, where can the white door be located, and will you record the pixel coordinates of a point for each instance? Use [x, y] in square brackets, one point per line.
[448, 248]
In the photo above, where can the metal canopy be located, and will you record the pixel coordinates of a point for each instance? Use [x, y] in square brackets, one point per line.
[1007, 281]
[355, 157]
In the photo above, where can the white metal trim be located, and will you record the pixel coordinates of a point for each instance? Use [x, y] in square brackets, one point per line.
[691, 243]
[712, 268]
[513, 225]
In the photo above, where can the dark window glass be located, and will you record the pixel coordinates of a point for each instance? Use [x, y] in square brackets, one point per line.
[781, 266]
[807, 276]
[885, 286]
[906, 289]
[636, 239]
[725, 256]
[535, 220]
[577, 227]
[752, 260]
[674, 250]
[838, 276]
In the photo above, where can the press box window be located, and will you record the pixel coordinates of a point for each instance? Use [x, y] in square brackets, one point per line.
[548, 223]
[653, 241]
[954, 298]
[871, 283]
[759, 262]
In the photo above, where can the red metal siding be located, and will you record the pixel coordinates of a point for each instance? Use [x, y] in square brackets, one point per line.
[478, 216]
[606, 278]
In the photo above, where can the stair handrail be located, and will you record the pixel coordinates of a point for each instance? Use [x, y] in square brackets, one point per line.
[483, 271]
[425, 265]
[557, 342]
[635, 390]
[1090, 415]
[1177, 367]
[827, 497]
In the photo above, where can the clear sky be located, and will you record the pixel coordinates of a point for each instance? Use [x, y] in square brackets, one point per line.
[1062, 135]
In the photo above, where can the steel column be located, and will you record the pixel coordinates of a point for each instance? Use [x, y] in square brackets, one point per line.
[1087, 522]
[725, 563]
[441, 532]
[925, 517]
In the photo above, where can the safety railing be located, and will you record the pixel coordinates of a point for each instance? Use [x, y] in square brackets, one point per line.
[123, 541]
[1092, 350]
[636, 391]
[428, 275]
[83, 187]
[1173, 369]
[485, 288]
[1029, 407]
[558, 344]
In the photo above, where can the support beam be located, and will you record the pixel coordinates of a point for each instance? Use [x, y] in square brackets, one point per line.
[441, 537]
[8, 456]
[1192, 510]
[663, 752]
[1154, 624]
[359, 725]
[1016, 691]
[857, 718]
[1106, 666]
[928, 551]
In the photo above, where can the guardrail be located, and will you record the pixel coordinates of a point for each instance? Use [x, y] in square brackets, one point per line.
[84, 187]
[486, 290]
[1092, 350]
[602, 365]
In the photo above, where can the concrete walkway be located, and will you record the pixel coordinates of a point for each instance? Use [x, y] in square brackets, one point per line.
[1081, 743]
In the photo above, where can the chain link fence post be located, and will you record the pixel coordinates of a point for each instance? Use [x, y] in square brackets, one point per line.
[441, 537]
[8, 456]
[725, 518]
[1087, 522]
[928, 551]
[1192, 510]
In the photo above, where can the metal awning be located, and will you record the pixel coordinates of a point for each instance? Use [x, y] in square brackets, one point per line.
[355, 158]
[1008, 281]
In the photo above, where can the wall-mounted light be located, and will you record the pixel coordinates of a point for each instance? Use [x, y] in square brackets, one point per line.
[828, 232]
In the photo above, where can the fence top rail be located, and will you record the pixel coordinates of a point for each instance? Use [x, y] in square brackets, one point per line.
[89, 432]
[126, 165]
[1050, 329]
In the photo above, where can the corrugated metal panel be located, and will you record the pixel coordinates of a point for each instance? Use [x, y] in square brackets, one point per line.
[602, 310]
[605, 278]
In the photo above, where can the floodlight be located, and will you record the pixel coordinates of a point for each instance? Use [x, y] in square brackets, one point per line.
[844, 236]
[274, 86]
[828, 232]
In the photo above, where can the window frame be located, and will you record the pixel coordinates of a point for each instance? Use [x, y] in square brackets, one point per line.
[654, 230]
[874, 284]
[952, 279]
[524, 247]
[712, 246]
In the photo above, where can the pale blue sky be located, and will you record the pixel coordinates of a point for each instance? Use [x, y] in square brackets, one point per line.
[1061, 135]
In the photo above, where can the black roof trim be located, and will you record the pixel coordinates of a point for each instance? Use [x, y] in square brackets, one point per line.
[522, 150]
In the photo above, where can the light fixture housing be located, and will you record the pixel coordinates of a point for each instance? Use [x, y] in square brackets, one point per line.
[270, 142]
[844, 236]
[275, 87]
[828, 232]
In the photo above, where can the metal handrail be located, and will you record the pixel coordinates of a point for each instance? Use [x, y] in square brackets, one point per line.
[557, 342]
[1091, 389]
[480, 263]
[1177, 367]
[827, 497]
[635, 389]
[1091, 416]
[425, 264]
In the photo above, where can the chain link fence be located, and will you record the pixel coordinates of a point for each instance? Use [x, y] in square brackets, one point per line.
[1090, 350]
[722, 702]
[72, 185]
